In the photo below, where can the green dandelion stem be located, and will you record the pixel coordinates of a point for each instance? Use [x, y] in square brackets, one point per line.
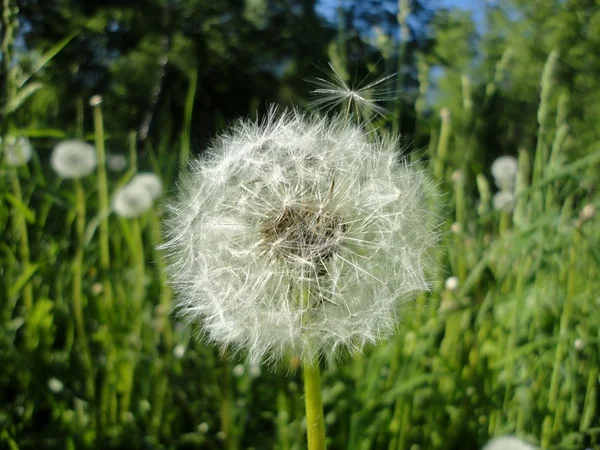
[77, 290]
[315, 425]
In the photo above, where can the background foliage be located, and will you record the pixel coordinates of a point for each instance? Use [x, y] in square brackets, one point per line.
[512, 350]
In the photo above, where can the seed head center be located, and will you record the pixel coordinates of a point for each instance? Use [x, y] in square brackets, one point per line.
[302, 233]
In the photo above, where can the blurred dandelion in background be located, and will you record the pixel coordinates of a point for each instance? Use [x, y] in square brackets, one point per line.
[131, 200]
[150, 182]
[508, 443]
[116, 162]
[73, 159]
[504, 171]
[299, 236]
[504, 201]
[17, 150]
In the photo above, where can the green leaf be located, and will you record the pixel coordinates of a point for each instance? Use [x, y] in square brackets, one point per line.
[27, 213]
[47, 57]
[23, 279]
[22, 95]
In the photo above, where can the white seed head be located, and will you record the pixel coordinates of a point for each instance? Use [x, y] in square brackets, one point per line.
[298, 236]
[150, 182]
[579, 344]
[131, 201]
[451, 283]
[508, 443]
[17, 150]
[55, 385]
[179, 351]
[73, 159]
[116, 162]
[504, 201]
[238, 371]
[504, 170]
[95, 100]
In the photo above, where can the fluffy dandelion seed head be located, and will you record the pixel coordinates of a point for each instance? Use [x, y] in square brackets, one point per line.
[504, 201]
[116, 162]
[150, 182]
[507, 443]
[504, 171]
[17, 150]
[298, 235]
[73, 159]
[131, 201]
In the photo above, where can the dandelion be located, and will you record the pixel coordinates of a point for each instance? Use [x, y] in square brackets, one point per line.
[504, 170]
[150, 182]
[300, 236]
[116, 162]
[364, 100]
[131, 201]
[507, 443]
[504, 201]
[451, 283]
[17, 150]
[73, 159]
[55, 385]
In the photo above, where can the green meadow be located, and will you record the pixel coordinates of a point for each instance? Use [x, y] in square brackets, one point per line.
[507, 341]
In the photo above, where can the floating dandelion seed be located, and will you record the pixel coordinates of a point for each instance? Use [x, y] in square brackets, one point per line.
[131, 201]
[363, 100]
[504, 170]
[504, 201]
[73, 159]
[298, 236]
[17, 150]
[116, 162]
[150, 182]
[507, 443]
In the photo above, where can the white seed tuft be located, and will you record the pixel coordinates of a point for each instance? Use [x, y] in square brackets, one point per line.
[116, 162]
[131, 201]
[150, 182]
[504, 201]
[298, 236]
[17, 150]
[508, 443]
[504, 170]
[73, 159]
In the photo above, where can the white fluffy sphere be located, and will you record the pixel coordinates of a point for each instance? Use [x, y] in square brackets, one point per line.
[17, 150]
[149, 181]
[298, 235]
[73, 159]
[504, 170]
[132, 200]
[504, 201]
[507, 443]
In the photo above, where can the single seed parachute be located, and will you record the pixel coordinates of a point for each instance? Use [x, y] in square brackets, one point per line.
[298, 235]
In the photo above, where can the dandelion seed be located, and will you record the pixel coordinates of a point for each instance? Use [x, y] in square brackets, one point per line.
[150, 182]
[17, 150]
[507, 443]
[504, 201]
[364, 100]
[312, 261]
[116, 162]
[504, 170]
[73, 159]
[131, 201]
